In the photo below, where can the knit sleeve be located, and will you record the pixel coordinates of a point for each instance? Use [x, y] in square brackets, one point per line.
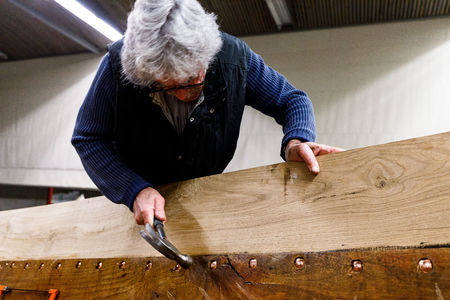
[270, 92]
[93, 140]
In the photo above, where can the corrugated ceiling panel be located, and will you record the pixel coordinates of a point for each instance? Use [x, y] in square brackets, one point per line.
[310, 14]
[239, 17]
[23, 36]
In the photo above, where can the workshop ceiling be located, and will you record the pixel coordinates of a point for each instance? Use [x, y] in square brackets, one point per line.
[43, 28]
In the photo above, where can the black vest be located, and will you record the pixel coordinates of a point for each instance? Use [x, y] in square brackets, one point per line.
[148, 142]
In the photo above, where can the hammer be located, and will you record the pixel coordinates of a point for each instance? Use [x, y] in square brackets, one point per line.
[159, 242]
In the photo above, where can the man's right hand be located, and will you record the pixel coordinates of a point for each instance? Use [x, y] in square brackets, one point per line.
[148, 203]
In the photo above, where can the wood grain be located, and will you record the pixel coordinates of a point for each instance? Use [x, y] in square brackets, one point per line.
[396, 194]
[385, 274]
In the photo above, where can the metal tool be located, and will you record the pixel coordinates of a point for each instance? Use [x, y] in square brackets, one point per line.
[159, 242]
[3, 288]
[53, 292]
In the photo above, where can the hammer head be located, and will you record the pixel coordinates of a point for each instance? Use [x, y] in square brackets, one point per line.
[166, 248]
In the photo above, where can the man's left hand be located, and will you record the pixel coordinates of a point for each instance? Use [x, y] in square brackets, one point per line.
[307, 152]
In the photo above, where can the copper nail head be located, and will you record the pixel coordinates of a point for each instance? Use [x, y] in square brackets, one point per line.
[357, 266]
[299, 262]
[122, 265]
[148, 266]
[425, 265]
[252, 263]
[213, 265]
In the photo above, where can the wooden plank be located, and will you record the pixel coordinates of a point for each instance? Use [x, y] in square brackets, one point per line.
[395, 194]
[385, 274]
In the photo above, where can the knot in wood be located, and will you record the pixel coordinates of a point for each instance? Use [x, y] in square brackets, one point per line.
[381, 184]
[382, 173]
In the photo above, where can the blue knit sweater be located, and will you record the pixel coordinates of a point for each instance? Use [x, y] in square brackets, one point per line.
[266, 90]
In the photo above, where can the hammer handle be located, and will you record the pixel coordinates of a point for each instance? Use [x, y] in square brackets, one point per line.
[159, 226]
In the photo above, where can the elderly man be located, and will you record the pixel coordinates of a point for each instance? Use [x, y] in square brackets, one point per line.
[167, 101]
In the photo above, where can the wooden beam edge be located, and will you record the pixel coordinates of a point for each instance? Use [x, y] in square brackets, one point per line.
[391, 194]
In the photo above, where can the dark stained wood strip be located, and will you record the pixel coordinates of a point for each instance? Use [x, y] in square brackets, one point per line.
[385, 274]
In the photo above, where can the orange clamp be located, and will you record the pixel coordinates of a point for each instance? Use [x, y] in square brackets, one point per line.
[3, 288]
[54, 293]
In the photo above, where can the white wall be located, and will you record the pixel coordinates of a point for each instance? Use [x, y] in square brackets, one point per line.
[368, 84]
[39, 103]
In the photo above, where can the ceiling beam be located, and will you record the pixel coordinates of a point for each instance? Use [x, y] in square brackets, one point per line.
[55, 26]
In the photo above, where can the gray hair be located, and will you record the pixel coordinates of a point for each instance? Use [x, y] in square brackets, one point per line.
[168, 39]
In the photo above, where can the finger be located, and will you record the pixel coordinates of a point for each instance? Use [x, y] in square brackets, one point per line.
[319, 149]
[324, 149]
[139, 219]
[159, 209]
[336, 149]
[315, 148]
[306, 153]
[137, 213]
[147, 215]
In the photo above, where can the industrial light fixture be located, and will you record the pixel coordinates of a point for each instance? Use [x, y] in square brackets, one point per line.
[91, 19]
[280, 13]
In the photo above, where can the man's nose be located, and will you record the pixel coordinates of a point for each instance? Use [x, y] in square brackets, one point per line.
[181, 94]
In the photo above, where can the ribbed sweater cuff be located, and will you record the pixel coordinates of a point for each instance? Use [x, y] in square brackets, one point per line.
[135, 187]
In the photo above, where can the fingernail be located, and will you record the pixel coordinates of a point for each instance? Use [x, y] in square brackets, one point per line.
[315, 169]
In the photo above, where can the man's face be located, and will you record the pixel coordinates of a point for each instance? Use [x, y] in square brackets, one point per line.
[184, 94]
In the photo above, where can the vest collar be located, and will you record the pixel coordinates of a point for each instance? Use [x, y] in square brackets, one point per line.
[214, 80]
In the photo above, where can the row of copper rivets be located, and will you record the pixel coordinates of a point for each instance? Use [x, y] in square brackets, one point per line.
[99, 265]
[425, 265]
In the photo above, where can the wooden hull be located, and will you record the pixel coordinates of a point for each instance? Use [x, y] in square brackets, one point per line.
[386, 207]
[385, 274]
